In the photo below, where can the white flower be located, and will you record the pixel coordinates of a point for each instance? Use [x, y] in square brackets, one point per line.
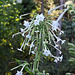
[19, 1]
[26, 23]
[56, 60]
[60, 59]
[55, 25]
[63, 41]
[28, 36]
[60, 52]
[27, 44]
[40, 17]
[36, 22]
[22, 29]
[32, 45]
[36, 31]
[58, 39]
[60, 17]
[23, 34]
[46, 52]
[32, 52]
[19, 73]
[49, 12]
[62, 32]
[56, 46]
[19, 49]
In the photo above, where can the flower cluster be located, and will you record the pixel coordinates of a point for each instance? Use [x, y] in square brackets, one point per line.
[40, 30]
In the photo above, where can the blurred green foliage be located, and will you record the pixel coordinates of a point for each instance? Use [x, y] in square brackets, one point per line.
[9, 24]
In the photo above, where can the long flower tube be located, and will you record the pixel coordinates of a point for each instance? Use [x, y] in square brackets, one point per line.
[59, 18]
[49, 12]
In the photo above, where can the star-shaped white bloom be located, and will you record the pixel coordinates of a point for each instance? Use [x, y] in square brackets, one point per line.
[19, 73]
[22, 29]
[36, 22]
[58, 39]
[40, 17]
[28, 36]
[63, 41]
[26, 23]
[62, 32]
[46, 52]
[56, 60]
[55, 25]
[60, 59]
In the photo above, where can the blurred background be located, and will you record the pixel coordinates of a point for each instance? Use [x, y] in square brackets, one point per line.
[10, 23]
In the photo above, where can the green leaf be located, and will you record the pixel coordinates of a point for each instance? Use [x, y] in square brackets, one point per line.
[71, 45]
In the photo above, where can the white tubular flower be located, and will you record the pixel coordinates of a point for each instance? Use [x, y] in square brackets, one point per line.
[36, 31]
[19, 49]
[56, 60]
[32, 45]
[28, 36]
[22, 29]
[27, 44]
[60, 59]
[46, 52]
[56, 46]
[62, 32]
[49, 12]
[40, 17]
[19, 1]
[26, 23]
[58, 39]
[36, 22]
[55, 25]
[60, 17]
[32, 52]
[63, 41]
[19, 73]
[60, 52]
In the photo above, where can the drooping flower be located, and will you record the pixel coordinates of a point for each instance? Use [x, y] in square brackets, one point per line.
[58, 39]
[55, 25]
[36, 31]
[22, 29]
[19, 73]
[28, 36]
[49, 12]
[19, 49]
[46, 52]
[60, 59]
[62, 32]
[56, 60]
[32, 52]
[60, 17]
[26, 23]
[63, 41]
